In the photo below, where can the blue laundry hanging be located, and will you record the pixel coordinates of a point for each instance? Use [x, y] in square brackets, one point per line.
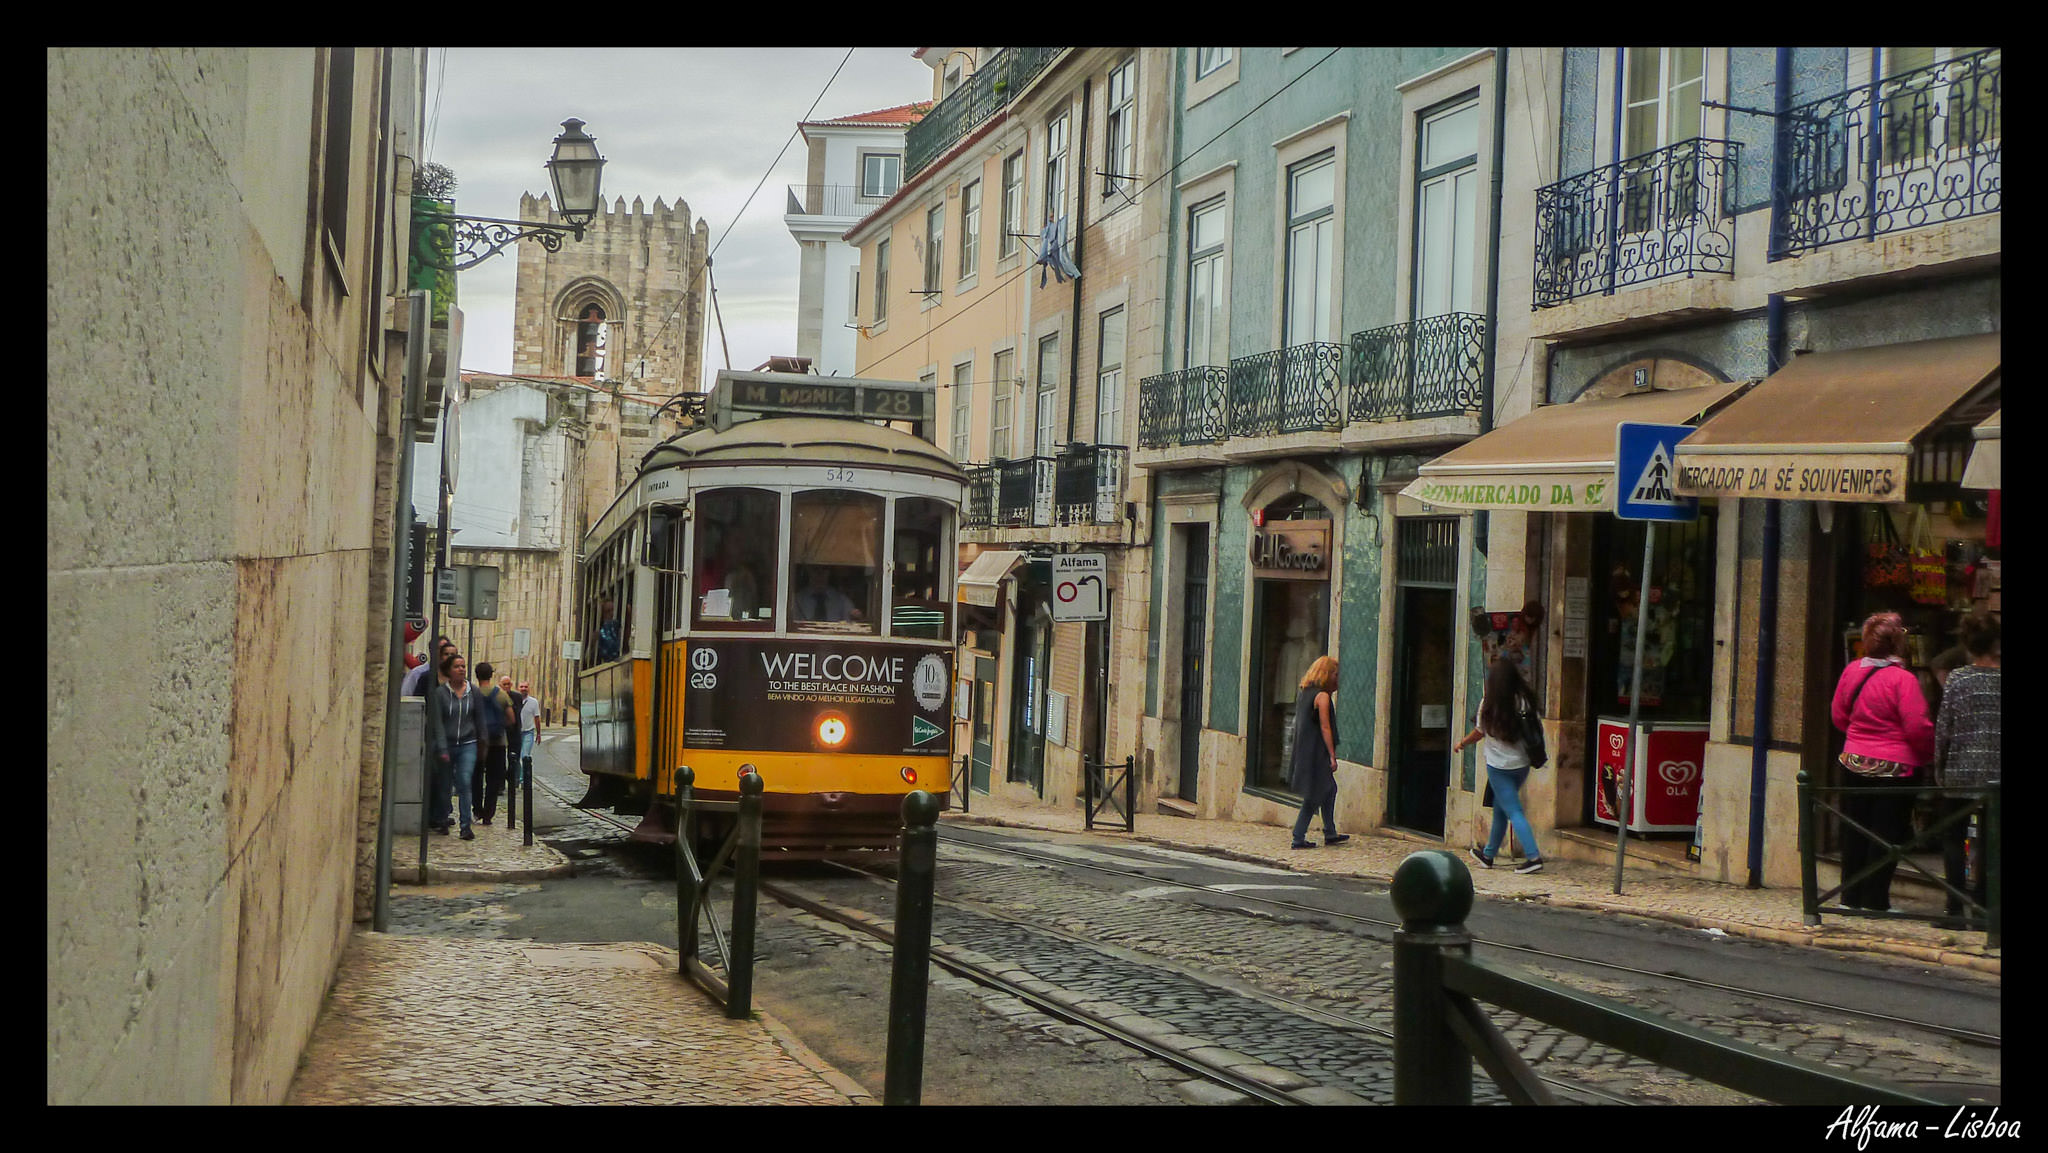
[1053, 253]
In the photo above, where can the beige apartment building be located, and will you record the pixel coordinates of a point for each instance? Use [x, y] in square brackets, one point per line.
[1017, 271]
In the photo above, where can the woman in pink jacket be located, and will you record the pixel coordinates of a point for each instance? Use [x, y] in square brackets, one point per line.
[1890, 744]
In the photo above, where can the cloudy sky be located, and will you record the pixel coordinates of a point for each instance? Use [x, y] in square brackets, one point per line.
[698, 124]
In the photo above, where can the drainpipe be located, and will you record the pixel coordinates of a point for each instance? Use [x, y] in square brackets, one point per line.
[1767, 602]
[1080, 203]
[1486, 364]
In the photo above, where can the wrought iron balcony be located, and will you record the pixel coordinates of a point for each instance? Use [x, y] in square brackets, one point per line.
[984, 94]
[981, 497]
[1024, 493]
[838, 200]
[1918, 148]
[1088, 484]
[1659, 214]
[1184, 407]
[1426, 368]
[1297, 389]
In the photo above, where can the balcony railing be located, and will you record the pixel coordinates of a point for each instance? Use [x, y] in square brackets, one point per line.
[1024, 493]
[981, 497]
[1184, 407]
[1656, 215]
[1088, 484]
[1919, 148]
[843, 200]
[1296, 389]
[985, 93]
[1427, 368]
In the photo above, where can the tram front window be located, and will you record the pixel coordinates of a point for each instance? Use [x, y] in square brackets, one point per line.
[835, 547]
[734, 573]
[923, 550]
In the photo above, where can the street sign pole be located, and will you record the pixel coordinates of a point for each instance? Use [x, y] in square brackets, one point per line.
[1643, 456]
[1635, 704]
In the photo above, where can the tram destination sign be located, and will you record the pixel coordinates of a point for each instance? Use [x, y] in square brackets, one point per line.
[769, 695]
[743, 395]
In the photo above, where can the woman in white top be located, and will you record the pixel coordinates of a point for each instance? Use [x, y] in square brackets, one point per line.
[1502, 711]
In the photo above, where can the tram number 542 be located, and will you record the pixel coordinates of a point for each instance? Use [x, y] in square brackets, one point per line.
[839, 475]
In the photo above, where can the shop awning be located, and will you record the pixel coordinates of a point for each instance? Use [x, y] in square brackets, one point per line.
[981, 584]
[1838, 426]
[1982, 471]
[1559, 458]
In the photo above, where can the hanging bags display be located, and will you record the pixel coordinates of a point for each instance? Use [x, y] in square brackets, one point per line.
[1928, 565]
[1885, 562]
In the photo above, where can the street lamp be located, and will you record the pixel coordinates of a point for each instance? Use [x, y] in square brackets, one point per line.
[457, 243]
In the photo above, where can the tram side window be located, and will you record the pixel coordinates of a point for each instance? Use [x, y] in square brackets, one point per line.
[608, 598]
[922, 551]
[835, 547]
[735, 564]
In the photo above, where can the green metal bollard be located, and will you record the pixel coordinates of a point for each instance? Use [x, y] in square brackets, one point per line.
[1809, 868]
[903, 1076]
[1432, 891]
[746, 889]
[686, 883]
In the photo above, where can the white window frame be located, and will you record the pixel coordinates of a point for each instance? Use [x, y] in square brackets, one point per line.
[1120, 132]
[1045, 404]
[1109, 375]
[881, 280]
[883, 188]
[1671, 95]
[1012, 215]
[1328, 135]
[1002, 403]
[1208, 60]
[963, 408]
[1459, 180]
[934, 249]
[970, 228]
[1057, 146]
[1203, 85]
[1213, 264]
[1312, 234]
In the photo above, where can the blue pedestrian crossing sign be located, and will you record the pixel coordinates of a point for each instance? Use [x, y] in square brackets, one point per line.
[1644, 471]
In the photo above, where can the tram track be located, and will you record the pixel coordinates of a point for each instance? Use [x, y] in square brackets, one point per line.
[1971, 1036]
[1072, 1013]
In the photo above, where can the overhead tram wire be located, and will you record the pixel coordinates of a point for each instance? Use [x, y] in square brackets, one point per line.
[770, 171]
[1022, 270]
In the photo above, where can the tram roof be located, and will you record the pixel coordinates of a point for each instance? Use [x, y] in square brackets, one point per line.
[784, 440]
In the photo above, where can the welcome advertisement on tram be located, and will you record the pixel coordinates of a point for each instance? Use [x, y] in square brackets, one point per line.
[775, 695]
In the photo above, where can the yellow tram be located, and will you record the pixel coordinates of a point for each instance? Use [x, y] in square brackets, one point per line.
[776, 590]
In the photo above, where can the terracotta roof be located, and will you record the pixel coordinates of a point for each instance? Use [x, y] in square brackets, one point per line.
[901, 114]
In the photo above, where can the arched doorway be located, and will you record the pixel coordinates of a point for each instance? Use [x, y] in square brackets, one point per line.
[1291, 553]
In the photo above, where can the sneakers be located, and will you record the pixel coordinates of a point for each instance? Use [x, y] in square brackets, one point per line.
[1304, 845]
[469, 834]
[1336, 838]
[1482, 858]
[1532, 865]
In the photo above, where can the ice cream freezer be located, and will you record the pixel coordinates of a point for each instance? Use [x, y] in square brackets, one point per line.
[1666, 789]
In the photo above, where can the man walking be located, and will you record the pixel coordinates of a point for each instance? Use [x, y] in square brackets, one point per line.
[422, 677]
[498, 720]
[527, 708]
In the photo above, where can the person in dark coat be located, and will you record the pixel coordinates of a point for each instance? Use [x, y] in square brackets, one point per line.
[1313, 770]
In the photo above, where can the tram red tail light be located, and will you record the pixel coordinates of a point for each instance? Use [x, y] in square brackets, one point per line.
[908, 774]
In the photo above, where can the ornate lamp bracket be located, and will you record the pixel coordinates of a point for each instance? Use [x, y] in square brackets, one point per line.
[458, 243]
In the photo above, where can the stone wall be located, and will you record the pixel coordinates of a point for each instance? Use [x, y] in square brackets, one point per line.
[647, 267]
[212, 465]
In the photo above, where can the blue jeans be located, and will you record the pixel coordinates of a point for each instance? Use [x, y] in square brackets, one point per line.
[519, 757]
[1507, 806]
[462, 763]
[1319, 796]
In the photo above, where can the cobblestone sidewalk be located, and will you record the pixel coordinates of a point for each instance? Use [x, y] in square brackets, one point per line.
[431, 1020]
[1764, 914]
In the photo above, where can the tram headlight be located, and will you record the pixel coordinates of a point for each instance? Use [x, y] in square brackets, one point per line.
[908, 774]
[832, 730]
